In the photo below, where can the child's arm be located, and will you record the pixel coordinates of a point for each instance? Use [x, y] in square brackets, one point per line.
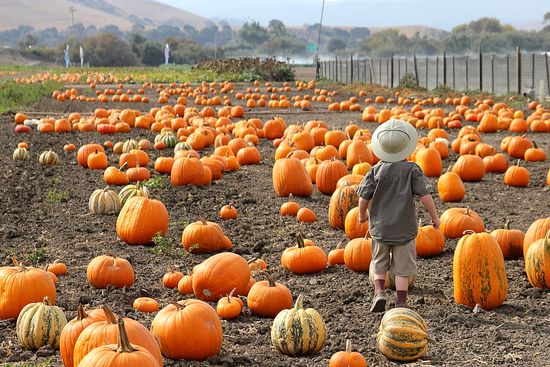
[363, 206]
[428, 203]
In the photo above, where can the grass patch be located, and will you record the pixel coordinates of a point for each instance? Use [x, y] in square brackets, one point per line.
[55, 197]
[37, 256]
[14, 95]
[156, 182]
[167, 246]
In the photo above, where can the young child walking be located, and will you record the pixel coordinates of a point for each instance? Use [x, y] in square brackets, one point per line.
[386, 195]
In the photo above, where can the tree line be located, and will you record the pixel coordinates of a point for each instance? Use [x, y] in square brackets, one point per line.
[110, 46]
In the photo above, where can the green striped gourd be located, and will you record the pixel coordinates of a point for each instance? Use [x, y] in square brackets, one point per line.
[20, 154]
[129, 145]
[341, 201]
[40, 324]
[402, 335]
[104, 202]
[182, 146]
[132, 190]
[48, 158]
[168, 138]
[537, 263]
[298, 331]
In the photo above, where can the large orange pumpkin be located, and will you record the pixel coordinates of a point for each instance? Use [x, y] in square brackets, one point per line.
[203, 237]
[290, 177]
[536, 231]
[141, 219]
[479, 274]
[455, 221]
[343, 199]
[189, 329]
[216, 276]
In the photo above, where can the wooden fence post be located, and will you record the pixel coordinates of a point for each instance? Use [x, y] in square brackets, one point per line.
[426, 72]
[415, 66]
[336, 68]
[507, 72]
[454, 75]
[493, 73]
[518, 53]
[380, 71]
[398, 69]
[480, 70]
[351, 68]
[371, 70]
[444, 68]
[533, 71]
[467, 62]
[437, 71]
[547, 73]
[391, 71]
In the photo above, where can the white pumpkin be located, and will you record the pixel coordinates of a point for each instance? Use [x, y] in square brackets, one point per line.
[104, 202]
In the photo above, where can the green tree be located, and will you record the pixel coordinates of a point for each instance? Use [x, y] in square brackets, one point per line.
[282, 46]
[546, 16]
[491, 25]
[335, 44]
[253, 34]
[107, 49]
[276, 28]
[27, 41]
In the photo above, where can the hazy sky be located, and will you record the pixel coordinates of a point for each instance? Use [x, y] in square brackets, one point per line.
[443, 14]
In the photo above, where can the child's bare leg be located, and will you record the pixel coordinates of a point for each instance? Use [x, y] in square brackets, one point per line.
[402, 288]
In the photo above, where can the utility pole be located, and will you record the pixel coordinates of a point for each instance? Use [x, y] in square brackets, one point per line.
[72, 11]
[317, 61]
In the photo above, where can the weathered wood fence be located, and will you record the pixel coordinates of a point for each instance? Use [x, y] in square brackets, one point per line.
[520, 72]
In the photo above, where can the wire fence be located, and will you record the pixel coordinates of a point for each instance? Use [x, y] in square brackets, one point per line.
[520, 72]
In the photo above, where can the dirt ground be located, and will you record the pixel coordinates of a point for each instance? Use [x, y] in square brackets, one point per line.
[44, 216]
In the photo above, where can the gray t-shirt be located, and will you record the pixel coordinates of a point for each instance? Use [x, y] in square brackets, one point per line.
[392, 213]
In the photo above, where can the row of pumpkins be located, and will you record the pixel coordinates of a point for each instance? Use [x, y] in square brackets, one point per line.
[99, 338]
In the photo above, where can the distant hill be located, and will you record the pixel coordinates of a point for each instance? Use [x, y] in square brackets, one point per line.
[122, 13]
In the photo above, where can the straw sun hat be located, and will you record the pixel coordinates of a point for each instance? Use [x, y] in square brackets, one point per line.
[394, 140]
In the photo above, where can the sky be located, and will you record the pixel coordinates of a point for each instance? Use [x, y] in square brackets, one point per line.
[442, 14]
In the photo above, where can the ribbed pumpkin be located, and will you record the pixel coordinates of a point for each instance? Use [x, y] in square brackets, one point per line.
[510, 241]
[132, 190]
[301, 259]
[536, 231]
[216, 276]
[336, 256]
[352, 226]
[85, 150]
[429, 160]
[21, 285]
[140, 220]
[40, 324]
[48, 158]
[479, 274]
[105, 270]
[455, 221]
[298, 331]
[328, 174]
[341, 202]
[402, 335]
[537, 263]
[20, 154]
[450, 187]
[186, 171]
[145, 304]
[175, 323]
[290, 177]
[204, 237]
[347, 358]
[72, 330]
[107, 332]
[104, 202]
[358, 254]
[122, 354]
[115, 176]
[516, 176]
[470, 168]
[429, 241]
[229, 307]
[267, 298]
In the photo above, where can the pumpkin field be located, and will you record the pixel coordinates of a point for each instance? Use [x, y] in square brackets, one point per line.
[196, 148]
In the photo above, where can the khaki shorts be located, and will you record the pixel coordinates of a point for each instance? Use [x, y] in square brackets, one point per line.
[399, 260]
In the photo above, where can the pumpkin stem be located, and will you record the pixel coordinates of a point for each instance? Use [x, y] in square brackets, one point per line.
[507, 224]
[300, 239]
[124, 345]
[348, 346]
[109, 315]
[270, 281]
[47, 301]
[519, 160]
[420, 222]
[468, 231]
[467, 210]
[179, 306]
[123, 167]
[299, 303]
[81, 313]
[14, 261]
[231, 294]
